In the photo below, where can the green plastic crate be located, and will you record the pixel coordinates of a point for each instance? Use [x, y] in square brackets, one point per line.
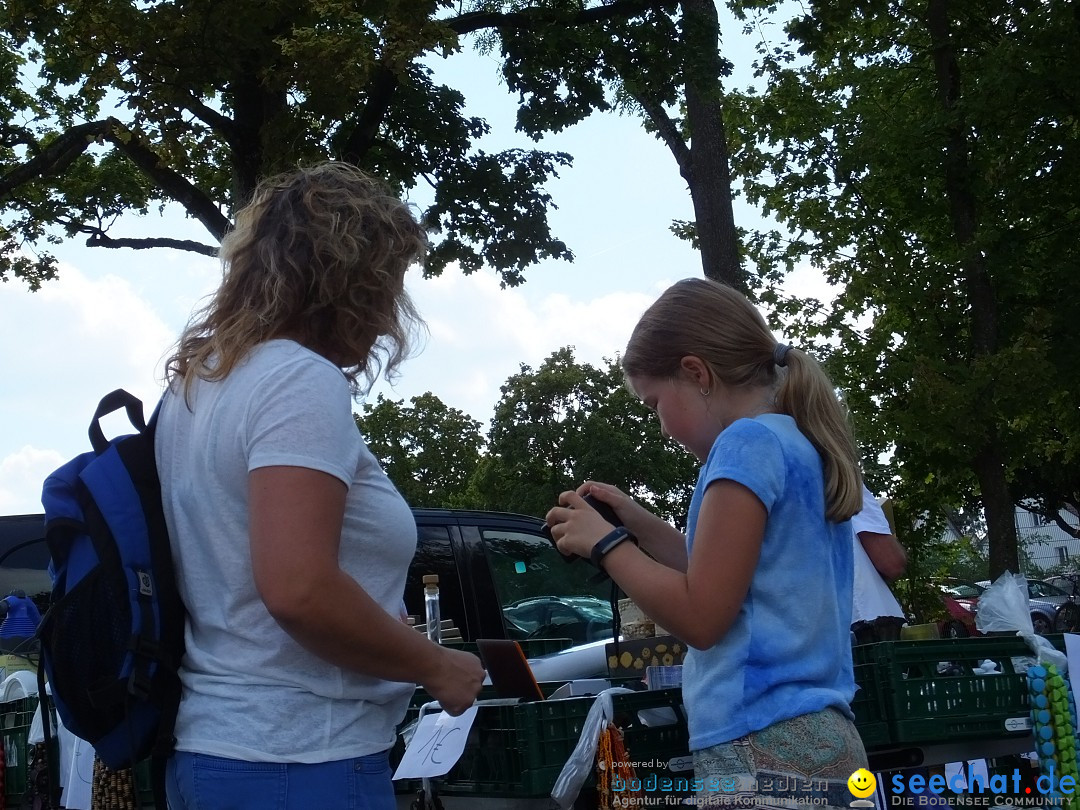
[660, 751]
[15, 719]
[871, 712]
[924, 705]
[519, 750]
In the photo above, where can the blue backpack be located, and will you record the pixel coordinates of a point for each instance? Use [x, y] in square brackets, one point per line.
[113, 637]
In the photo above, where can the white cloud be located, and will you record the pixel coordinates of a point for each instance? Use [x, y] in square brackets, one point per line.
[481, 334]
[97, 329]
[21, 476]
[65, 347]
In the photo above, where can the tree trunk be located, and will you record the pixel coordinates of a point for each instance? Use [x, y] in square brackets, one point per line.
[710, 174]
[989, 465]
[1000, 513]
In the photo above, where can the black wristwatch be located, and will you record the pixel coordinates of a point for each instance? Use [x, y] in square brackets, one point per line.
[607, 543]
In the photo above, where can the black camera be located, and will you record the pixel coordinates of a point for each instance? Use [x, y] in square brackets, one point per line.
[606, 512]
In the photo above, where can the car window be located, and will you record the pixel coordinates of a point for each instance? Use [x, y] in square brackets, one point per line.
[526, 618]
[24, 558]
[434, 555]
[541, 595]
[527, 565]
[1064, 583]
[1038, 589]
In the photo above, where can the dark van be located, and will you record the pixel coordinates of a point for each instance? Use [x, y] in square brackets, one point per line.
[499, 577]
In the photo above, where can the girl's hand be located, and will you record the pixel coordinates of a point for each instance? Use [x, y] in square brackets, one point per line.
[576, 526]
[623, 504]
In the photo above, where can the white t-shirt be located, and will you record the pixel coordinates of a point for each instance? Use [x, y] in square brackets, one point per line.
[250, 691]
[871, 597]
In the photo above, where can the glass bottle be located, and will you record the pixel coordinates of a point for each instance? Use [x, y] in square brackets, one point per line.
[431, 607]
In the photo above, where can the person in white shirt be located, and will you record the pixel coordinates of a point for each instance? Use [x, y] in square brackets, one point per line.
[291, 544]
[879, 559]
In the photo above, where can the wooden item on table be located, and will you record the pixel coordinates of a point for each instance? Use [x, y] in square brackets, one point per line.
[113, 790]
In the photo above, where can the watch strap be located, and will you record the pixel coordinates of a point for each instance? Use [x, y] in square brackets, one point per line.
[607, 543]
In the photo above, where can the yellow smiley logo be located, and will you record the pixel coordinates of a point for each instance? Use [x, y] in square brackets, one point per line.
[861, 783]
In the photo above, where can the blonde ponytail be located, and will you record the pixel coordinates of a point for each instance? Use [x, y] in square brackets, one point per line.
[806, 394]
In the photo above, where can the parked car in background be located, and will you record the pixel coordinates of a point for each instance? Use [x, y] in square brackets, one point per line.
[24, 558]
[491, 565]
[1046, 592]
[1070, 583]
[1043, 612]
[966, 593]
[1043, 616]
[960, 599]
[579, 618]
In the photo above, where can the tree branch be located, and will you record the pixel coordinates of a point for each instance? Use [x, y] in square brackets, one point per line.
[383, 86]
[211, 117]
[99, 239]
[13, 135]
[1053, 515]
[1062, 524]
[526, 18]
[55, 157]
[172, 183]
[668, 132]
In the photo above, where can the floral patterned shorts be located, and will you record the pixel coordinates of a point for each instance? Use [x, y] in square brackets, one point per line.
[804, 762]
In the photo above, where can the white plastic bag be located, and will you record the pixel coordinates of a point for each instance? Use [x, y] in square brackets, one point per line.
[583, 758]
[1004, 607]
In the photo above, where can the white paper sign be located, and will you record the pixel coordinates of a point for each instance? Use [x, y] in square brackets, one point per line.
[979, 770]
[436, 745]
[1072, 651]
[955, 771]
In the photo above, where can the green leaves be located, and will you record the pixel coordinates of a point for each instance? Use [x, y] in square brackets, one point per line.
[926, 172]
[564, 423]
[429, 451]
[208, 96]
[554, 427]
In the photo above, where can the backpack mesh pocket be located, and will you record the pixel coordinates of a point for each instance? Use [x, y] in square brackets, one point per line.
[87, 633]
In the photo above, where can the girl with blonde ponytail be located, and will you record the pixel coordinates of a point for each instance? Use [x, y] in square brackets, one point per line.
[767, 688]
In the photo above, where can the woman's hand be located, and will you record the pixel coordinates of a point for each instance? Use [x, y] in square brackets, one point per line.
[455, 681]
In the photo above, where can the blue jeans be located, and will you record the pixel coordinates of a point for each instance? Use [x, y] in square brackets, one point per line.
[203, 782]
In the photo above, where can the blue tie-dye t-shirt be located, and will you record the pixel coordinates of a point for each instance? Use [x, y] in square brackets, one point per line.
[789, 651]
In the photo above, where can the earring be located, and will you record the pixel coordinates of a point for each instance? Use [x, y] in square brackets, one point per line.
[704, 391]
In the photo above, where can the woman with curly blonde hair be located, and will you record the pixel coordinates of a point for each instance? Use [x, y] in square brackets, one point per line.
[291, 545]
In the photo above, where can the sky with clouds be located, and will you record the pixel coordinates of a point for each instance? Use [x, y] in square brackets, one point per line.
[113, 315]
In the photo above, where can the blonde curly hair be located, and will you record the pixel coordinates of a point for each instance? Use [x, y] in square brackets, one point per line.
[319, 256]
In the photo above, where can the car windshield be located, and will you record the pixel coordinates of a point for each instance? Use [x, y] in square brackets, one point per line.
[596, 609]
[963, 590]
